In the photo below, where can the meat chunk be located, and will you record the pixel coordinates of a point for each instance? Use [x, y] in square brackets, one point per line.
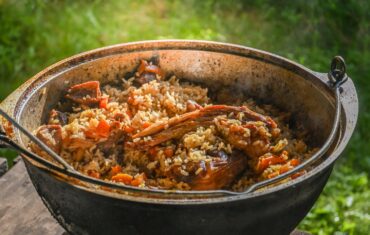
[144, 78]
[51, 135]
[147, 72]
[179, 125]
[219, 173]
[113, 145]
[208, 111]
[253, 138]
[175, 132]
[57, 117]
[87, 93]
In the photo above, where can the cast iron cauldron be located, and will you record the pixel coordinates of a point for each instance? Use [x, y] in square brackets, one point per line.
[83, 207]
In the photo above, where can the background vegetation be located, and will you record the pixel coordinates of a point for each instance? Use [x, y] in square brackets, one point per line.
[35, 34]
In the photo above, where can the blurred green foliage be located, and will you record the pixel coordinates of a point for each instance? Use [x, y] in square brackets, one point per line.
[35, 34]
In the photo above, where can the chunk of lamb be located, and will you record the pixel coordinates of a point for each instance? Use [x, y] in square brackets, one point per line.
[179, 125]
[113, 145]
[147, 72]
[253, 138]
[57, 117]
[219, 173]
[51, 135]
[87, 93]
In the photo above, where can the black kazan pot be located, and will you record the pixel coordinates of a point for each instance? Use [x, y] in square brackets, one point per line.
[83, 206]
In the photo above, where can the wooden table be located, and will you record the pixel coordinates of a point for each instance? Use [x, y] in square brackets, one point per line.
[3, 166]
[21, 209]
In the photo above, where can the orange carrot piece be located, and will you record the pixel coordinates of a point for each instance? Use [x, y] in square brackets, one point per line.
[115, 169]
[123, 178]
[294, 162]
[128, 129]
[103, 128]
[103, 103]
[265, 162]
[146, 124]
[138, 180]
[94, 174]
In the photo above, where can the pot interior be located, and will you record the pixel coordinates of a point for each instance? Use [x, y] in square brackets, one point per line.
[264, 77]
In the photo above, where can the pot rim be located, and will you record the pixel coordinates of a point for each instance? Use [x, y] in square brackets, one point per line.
[17, 100]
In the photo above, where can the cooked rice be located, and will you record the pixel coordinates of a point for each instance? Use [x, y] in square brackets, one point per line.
[131, 109]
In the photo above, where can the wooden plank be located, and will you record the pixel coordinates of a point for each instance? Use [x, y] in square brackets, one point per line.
[3, 166]
[21, 209]
[16, 160]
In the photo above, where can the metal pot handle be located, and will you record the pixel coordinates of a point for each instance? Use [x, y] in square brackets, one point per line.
[5, 141]
[337, 76]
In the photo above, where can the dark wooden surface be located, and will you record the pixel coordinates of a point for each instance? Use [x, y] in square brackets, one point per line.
[22, 211]
[3, 166]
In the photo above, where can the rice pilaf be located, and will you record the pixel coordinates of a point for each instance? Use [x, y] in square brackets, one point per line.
[149, 131]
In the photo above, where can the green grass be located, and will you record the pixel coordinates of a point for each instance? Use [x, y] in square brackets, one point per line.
[35, 34]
